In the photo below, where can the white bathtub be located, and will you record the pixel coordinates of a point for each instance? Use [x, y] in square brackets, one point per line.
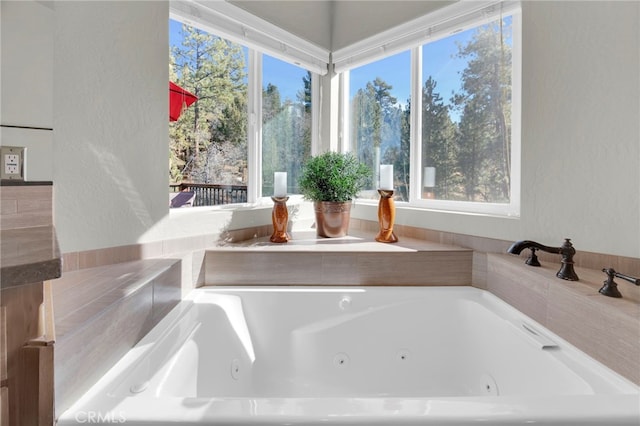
[361, 355]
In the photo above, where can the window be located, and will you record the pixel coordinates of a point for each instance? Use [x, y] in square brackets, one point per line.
[438, 98]
[455, 144]
[286, 122]
[213, 145]
[208, 143]
[379, 108]
[466, 115]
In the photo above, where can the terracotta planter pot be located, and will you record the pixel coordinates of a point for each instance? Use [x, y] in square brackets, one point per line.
[332, 218]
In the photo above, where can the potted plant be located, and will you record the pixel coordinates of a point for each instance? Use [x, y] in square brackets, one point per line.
[331, 180]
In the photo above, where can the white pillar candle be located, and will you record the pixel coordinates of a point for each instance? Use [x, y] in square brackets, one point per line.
[429, 177]
[386, 176]
[280, 184]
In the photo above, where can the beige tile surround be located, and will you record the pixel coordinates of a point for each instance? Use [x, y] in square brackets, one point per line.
[535, 291]
[583, 259]
[72, 261]
[26, 206]
[606, 328]
[353, 260]
[480, 245]
[101, 313]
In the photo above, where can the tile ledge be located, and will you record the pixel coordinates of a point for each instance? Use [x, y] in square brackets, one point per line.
[590, 282]
[355, 241]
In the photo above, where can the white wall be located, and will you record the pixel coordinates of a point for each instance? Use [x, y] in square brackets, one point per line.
[310, 20]
[581, 124]
[580, 132]
[26, 34]
[110, 162]
[354, 21]
[27, 79]
[338, 23]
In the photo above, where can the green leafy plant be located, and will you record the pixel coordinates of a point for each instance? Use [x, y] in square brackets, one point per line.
[333, 176]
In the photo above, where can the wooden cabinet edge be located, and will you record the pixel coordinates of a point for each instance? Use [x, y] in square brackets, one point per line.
[4, 406]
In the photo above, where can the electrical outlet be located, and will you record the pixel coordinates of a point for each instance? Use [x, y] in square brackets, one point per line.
[12, 158]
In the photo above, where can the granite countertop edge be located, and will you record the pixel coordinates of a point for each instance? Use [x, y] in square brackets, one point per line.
[18, 182]
[38, 259]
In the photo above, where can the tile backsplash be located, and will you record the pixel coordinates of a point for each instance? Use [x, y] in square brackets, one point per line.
[26, 206]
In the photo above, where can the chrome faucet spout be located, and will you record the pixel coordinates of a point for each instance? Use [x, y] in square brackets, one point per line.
[566, 250]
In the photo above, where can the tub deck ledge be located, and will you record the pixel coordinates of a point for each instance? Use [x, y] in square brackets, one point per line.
[356, 259]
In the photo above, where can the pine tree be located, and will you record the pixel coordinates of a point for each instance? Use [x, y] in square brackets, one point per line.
[485, 127]
[213, 69]
[438, 140]
[399, 155]
[376, 125]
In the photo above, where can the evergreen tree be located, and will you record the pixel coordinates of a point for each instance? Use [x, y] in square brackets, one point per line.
[383, 109]
[376, 125]
[286, 133]
[213, 69]
[271, 103]
[438, 141]
[271, 134]
[485, 124]
[303, 131]
[399, 155]
[305, 95]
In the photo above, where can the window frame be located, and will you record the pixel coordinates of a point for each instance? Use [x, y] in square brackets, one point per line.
[254, 115]
[259, 36]
[254, 104]
[510, 209]
[258, 96]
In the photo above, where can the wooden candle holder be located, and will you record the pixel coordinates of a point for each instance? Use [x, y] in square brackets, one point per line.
[386, 217]
[280, 219]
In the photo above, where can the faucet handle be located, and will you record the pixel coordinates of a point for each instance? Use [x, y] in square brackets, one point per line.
[632, 280]
[567, 247]
[533, 259]
[610, 287]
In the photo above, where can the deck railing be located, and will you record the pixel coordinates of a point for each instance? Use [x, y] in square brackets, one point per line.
[208, 194]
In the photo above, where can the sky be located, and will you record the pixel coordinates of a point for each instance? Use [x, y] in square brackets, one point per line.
[287, 77]
[438, 61]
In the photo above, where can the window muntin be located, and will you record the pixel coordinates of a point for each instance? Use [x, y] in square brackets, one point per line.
[286, 122]
[379, 108]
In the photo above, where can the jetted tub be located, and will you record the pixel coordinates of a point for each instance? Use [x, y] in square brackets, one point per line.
[357, 355]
